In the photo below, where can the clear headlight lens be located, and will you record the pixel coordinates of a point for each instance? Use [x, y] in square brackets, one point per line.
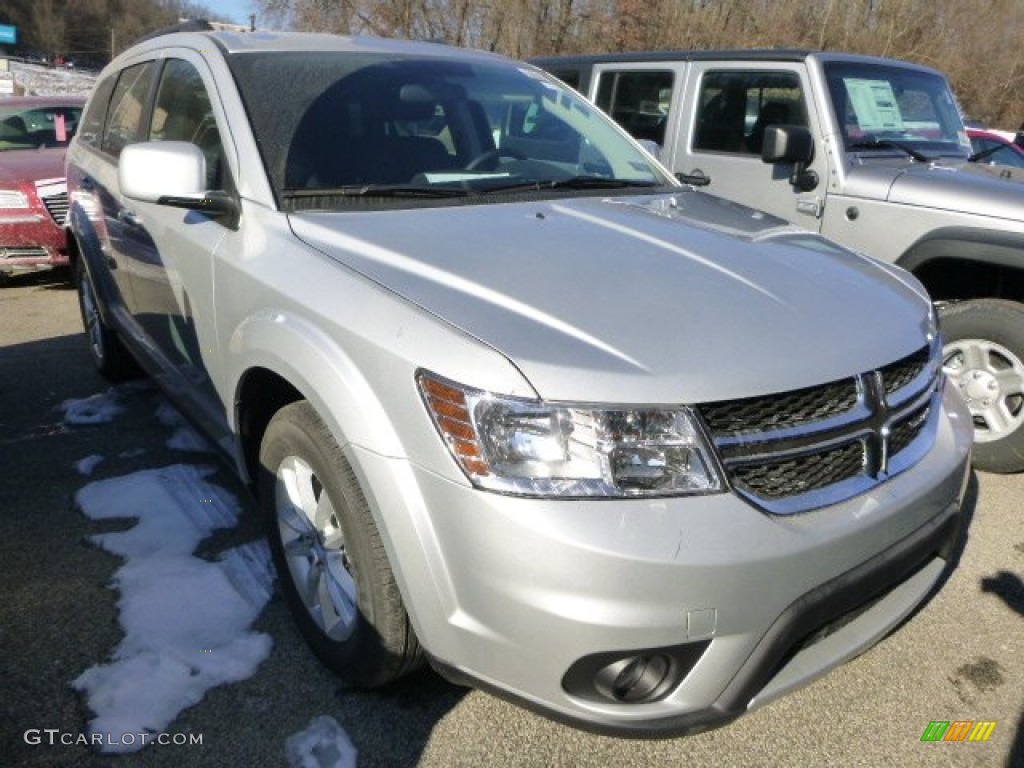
[12, 198]
[535, 448]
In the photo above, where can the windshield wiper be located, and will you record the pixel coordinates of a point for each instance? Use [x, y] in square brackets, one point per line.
[889, 144]
[984, 153]
[377, 190]
[572, 182]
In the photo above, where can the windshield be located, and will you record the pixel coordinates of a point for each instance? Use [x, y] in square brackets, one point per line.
[37, 126]
[895, 109]
[347, 125]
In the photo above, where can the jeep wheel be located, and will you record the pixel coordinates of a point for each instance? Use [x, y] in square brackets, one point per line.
[984, 357]
[108, 353]
[329, 554]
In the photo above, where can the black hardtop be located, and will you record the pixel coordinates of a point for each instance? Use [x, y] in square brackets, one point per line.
[750, 54]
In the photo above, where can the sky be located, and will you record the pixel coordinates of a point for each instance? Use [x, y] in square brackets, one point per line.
[175, 648]
[236, 11]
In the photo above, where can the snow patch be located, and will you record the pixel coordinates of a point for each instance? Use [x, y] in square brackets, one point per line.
[184, 438]
[95, 409]
[38, 80]
[88, 464]
[323, 744]
[186, 620]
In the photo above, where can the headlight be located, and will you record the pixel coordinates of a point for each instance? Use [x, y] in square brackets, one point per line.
[12, 198]
[534, 448]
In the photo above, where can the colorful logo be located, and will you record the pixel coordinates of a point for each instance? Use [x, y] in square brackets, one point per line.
[958, 730]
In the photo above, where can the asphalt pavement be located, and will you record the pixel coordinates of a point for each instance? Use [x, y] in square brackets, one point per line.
[960, 658]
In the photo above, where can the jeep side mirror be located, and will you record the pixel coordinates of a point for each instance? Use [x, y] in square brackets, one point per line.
[791, 144]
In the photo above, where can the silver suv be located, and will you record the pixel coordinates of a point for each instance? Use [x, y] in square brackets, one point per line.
[511, 399]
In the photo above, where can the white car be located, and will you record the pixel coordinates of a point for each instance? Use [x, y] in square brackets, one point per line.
[513, 400]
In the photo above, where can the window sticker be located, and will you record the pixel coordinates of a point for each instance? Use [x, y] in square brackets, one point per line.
[875, 104]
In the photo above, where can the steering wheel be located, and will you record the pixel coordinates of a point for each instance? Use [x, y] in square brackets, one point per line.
[487, 160]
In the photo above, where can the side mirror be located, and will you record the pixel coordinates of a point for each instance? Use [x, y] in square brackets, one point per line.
[172, 173]
[791, 144]
[787, 144]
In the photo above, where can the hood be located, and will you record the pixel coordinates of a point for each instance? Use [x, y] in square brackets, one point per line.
[972, 188]
[639, 299]
[31, 165]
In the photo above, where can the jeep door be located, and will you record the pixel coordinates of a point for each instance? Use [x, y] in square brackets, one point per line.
[720, 139]
[644, 98]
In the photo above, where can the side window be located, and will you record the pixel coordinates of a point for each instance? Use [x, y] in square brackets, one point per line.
[638, 101]
[182, 112]
[91, 129]
[735, 108]
[127, 104]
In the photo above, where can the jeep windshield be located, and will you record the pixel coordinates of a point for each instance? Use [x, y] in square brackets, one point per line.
[895, 110]
[355, 128]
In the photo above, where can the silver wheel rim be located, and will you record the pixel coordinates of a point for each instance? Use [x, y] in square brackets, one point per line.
[991, 380]
[314, 548]
[91, 318]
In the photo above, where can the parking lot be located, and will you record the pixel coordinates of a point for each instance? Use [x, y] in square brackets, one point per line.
[959, 659]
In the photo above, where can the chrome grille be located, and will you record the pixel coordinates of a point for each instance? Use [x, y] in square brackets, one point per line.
[811, 447]
[896, 376]
[801, 474]
[57, 206]
[54, 194]
[789, 409]
[22, 252]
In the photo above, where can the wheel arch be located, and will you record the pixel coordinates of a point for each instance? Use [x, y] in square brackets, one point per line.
[283, 358]
[958, 263]
[280, 358]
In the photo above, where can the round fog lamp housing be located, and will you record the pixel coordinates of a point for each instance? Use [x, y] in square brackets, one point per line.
[636, 679]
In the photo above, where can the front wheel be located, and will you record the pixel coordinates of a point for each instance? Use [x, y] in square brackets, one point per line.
[329, 555]
[984, 358]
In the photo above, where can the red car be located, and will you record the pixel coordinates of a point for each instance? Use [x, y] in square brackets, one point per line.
[991, 148]
[34, 134]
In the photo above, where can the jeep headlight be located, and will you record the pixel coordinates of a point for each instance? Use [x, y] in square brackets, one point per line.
[535, 448]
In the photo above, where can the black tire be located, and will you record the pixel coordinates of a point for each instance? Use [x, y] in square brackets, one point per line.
[370, 642]
[108, 353]
[983, 355]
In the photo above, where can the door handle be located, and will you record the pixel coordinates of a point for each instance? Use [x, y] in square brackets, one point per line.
[696, 178]
[129, 218]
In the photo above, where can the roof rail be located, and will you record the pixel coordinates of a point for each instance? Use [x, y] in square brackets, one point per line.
[192, 25]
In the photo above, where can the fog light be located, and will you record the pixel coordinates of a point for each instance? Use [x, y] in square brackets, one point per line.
[632, 677]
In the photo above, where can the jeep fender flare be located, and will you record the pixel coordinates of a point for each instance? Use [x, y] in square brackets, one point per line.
[984, 246]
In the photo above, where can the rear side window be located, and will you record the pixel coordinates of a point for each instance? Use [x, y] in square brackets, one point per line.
[126, 107]
[638, 101]
[736, 107]
[91, 130]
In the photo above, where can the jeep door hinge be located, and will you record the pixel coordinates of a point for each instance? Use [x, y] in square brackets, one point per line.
[810, 206]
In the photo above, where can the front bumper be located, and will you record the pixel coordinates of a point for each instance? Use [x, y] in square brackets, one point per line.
[30, 241]
[511, 594]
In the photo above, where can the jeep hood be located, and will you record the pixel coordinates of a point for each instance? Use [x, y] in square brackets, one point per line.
[973, 188]
[637, 299]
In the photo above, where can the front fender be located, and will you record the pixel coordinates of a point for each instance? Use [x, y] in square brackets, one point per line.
[314, 364]
[982, 246]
